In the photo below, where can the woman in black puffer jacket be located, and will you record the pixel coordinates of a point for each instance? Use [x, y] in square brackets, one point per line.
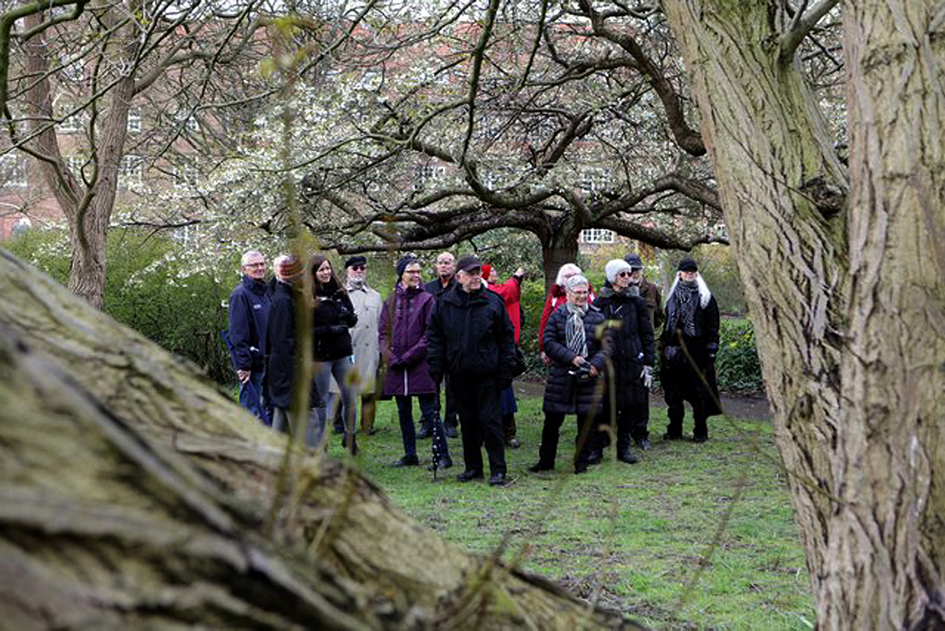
[633, 355]
[572, 341]
[332, 318]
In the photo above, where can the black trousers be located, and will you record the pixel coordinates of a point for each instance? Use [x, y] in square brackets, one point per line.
[477, 404]
[585, 440]
[449, 414]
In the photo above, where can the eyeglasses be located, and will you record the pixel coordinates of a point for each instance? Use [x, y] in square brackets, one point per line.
[255, 265]
[623, 273]
[358, 268]
[411, 271]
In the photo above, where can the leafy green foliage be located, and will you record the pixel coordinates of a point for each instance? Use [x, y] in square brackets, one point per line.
[737, 367]
[152, 289]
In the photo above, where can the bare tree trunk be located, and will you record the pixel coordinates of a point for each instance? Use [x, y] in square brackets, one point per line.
[849, 317]
[134, 494]
[560, 250]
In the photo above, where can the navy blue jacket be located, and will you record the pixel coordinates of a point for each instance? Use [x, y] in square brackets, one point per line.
[249, 317]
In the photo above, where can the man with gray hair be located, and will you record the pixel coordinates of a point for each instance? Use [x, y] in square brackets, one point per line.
[249, 317]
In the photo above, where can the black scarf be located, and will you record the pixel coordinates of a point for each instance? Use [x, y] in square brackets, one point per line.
[681, 308]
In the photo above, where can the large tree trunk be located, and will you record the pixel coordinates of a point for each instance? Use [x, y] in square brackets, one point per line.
[848, 302]
[88, 211]
[134, 494]
[558, 250]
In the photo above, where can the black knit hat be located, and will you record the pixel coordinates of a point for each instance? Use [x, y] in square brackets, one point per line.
[634, 261]
[355, 260]
[403, 263]
[687, 265]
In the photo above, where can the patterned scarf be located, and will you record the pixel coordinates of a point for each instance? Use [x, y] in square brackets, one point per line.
[682, 307]
[574, 330]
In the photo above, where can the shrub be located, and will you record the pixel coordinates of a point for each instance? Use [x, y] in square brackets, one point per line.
[737, 367]
[150, 290]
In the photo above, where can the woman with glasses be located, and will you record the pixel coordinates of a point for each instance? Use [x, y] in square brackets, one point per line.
[633, 353]
[574, 342]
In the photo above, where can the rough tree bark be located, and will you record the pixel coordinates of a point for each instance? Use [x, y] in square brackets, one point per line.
[134, 494]
[848, 298]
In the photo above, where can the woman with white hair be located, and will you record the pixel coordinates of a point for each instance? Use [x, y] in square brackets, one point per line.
[557, 297]
[690, 341]
[577, 351]
[633, 356]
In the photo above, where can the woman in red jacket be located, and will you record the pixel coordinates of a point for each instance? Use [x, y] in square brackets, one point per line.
[557, 297]
[511, 293]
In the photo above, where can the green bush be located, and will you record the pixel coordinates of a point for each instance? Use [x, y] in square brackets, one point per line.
[737, 367]
[151, 290]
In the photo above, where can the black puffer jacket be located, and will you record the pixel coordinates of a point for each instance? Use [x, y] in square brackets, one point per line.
[633, 342]
[331, 319]
[470, 334]
[566, 393]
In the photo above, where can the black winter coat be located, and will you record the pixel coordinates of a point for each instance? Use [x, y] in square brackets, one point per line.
[566, 393]
[633, 343]
[248, 319]
[470, 334]
[331, 319]
[677, 375]
[280, 368]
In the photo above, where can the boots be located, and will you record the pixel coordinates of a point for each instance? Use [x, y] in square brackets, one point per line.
[627, 456]
[350, 443]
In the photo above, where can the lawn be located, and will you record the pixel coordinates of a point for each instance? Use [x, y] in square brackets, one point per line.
[693, 536]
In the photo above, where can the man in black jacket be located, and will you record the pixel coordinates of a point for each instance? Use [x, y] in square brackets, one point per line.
[471, 339]
[249, 317]
[444, 281]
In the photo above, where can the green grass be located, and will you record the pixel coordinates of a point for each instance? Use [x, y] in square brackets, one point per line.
[632, 537]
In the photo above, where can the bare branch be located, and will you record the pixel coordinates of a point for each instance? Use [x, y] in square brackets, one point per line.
[801, 25]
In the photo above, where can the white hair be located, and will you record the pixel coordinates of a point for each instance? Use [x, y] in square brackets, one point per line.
[567, 268]
[575, 281]
[704, 293]
[277, 265]
[248, 254]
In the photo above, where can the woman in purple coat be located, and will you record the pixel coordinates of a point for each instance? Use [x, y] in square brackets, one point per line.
[402, 336]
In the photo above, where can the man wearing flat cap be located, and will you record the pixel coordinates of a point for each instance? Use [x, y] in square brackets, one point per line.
[367, 306]
[689, 342]
[471, 339]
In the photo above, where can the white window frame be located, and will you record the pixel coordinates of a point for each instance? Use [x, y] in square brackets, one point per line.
[134, 125]
[597, 235]
[14, 171]
[130, 171]
[186, 176]
[426, 173]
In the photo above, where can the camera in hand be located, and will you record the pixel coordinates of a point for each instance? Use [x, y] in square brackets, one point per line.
[582, 372]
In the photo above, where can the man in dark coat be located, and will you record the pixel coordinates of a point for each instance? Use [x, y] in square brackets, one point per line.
[281, 339]
[471, 339]
[690, 341]
[633, 355]
[654, 303]
[444, 281]
[249, 317]
[578, 358]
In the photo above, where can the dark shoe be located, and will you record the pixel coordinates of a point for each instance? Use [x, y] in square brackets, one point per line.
[643, 444]
[673, 436]
[443, 463]
[580, 467]
[350, 443]
[468, 475]
[451, 431]
[700, 438]
[595, 457]
[369, 432]
[407, 461]
[513, 443]
[540, 466]
[499, 479]
[425, 432]
[627, 456]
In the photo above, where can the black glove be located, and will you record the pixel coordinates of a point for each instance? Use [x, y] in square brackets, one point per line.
[672, 354]
[338, 328]
[713, 350]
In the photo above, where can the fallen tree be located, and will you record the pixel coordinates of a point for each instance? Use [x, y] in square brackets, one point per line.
[135, 494]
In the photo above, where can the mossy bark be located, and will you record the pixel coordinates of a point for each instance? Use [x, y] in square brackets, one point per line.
[134, 494]
[847, 299]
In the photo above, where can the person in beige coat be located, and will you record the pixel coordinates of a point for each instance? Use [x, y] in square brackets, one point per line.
[367, 306]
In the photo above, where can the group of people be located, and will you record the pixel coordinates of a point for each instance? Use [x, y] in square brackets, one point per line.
[454, 340]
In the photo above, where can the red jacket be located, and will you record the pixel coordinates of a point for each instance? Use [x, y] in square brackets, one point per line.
[511, 293]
